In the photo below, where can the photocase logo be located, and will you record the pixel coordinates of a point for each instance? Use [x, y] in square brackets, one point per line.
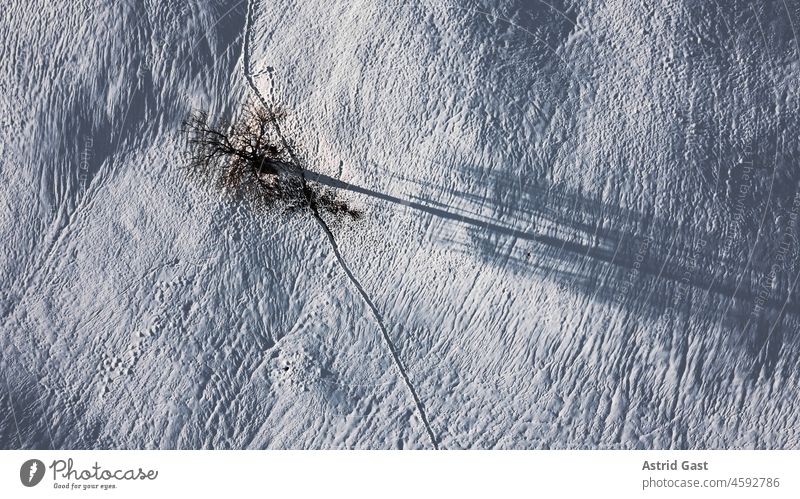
[31, 472]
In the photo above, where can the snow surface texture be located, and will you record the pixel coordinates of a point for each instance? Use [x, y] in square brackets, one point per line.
[581, 226]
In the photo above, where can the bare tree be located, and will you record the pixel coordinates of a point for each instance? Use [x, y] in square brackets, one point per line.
[246, 157]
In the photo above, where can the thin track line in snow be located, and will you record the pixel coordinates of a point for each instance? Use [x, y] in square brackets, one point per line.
[11, 405]
[334, 245]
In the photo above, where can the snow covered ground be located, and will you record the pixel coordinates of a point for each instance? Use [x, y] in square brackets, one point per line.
[581, 226]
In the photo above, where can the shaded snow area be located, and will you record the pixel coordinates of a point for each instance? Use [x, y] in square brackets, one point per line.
[580, 226]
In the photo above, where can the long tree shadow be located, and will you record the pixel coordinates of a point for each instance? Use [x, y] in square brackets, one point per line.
[635, 260]
[667, 258]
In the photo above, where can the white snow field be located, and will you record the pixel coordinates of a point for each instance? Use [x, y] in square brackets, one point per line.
[580, 226]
